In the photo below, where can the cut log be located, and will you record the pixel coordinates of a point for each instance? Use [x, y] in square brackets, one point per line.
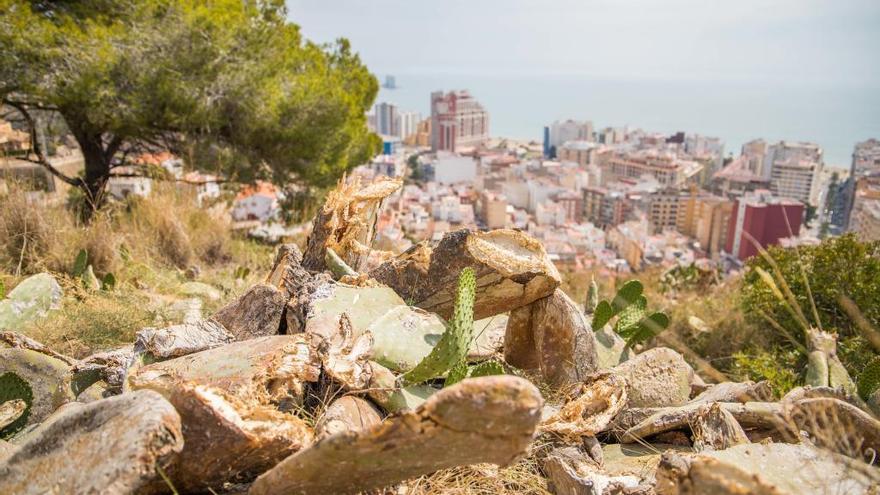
[735, 392]
[111, 367]
[512, 270]
[490, 419]
[520, 350]
[256, 313]
[716, 429]
[347, 222]
[180, 340]
[764, 415]
[595, 404]
[19, 341]
[656, 378]
[112, 446]
[764, 469]
[230, 399]
[347, 414]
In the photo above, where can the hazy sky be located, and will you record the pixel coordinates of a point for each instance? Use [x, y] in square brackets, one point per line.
[813, 41]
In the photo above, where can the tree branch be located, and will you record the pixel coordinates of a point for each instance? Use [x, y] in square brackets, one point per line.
[36, 146]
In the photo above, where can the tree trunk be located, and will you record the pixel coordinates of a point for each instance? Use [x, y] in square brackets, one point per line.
[97, 171]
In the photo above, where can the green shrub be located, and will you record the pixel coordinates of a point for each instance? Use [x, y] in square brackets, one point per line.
[777, 367]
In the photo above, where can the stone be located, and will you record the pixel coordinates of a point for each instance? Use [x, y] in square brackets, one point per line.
[611, 349]
[231, 400]
[564, 344]
[186, 310]
[488, 337]
[639, 460]
[347, 414]
[480, 420]
[30, 300]
[512, 270]
[111, 367]
[10, 411]
[764, 469]
[112, 446]
[657, 377]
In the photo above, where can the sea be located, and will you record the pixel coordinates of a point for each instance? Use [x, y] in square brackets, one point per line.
[834, 116]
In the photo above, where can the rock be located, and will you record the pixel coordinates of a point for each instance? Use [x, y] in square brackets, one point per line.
[347, 414]
[520, 350]
[735, 392]
[230, 400]
[657, 377]
[111, 446]
[479, 420]
[595, 404]
[564, 344]
[257, 313]
[573, 473]
[180, 340]
[512, 270]
[31, 299]
[6, 450]
[201, 290]
[347, 222]
[716, 429]
[36, 378]
[19, 341]
[764, 469]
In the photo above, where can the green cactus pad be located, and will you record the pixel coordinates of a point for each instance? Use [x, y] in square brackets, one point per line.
[453, 346]
[869, 379]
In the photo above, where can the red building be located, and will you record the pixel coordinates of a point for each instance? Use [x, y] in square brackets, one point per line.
[457, 121]
[766, 219]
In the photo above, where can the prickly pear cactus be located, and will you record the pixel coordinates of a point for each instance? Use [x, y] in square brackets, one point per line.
[630, 307]
[453, 345]
[869, 380]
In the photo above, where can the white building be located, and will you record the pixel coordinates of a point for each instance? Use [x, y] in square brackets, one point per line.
[259, 202]
[123, 187]
[796, 179]
[205, 186]
[408, 123]
[450, 168]
[563, 131]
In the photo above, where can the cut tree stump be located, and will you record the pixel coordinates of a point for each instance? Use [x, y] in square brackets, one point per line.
[111, 446]
[716, 429]
[347, 222]
[512, 270]
[256, 313]
[479, 420]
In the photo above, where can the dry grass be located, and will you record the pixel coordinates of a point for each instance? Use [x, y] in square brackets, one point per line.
[523, 477]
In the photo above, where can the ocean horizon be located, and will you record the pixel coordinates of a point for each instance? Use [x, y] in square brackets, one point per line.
[836, 116]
